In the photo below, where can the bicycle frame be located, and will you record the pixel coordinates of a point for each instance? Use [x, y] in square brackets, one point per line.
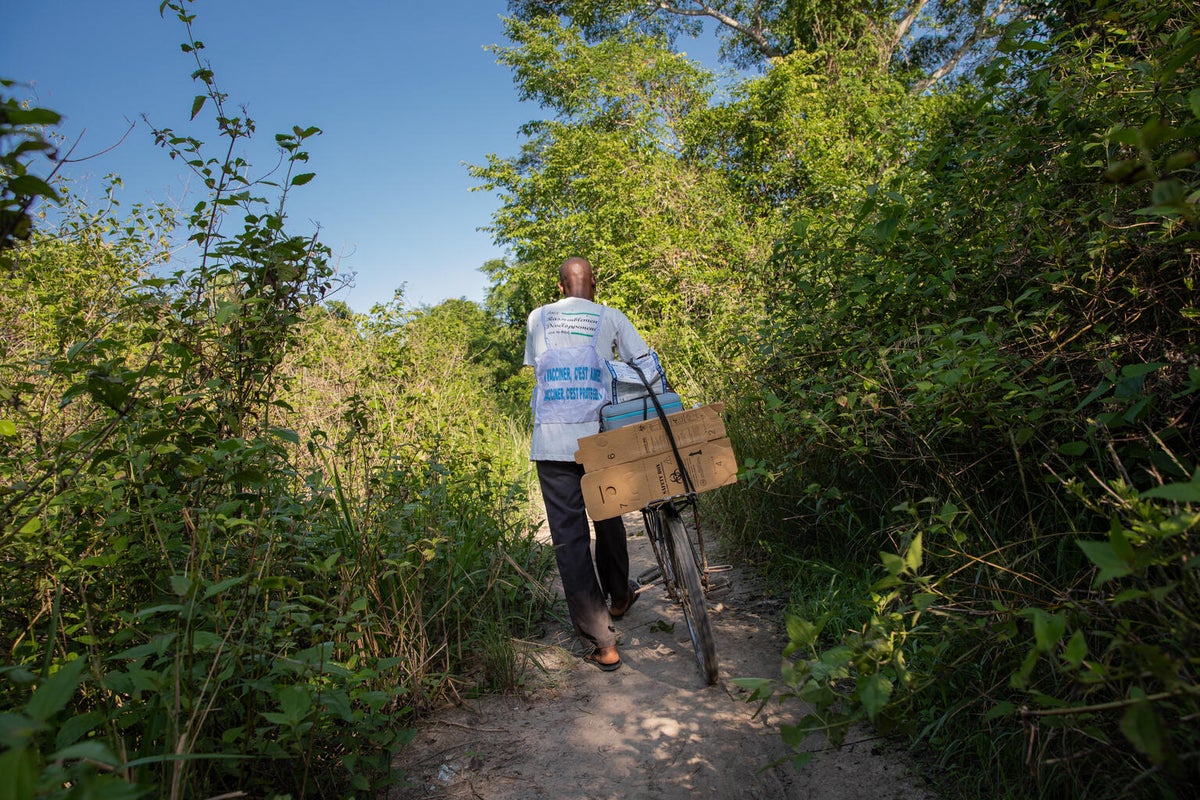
[681, 557]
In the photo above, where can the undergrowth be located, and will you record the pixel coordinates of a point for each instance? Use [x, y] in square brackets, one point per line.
[220, 576]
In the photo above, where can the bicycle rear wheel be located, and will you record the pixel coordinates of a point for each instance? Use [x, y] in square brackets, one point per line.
[652, 518]
[691, 595]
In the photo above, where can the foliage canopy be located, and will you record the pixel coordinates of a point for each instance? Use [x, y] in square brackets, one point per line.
[956, 323]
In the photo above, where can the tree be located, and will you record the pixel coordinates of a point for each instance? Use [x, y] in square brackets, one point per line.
[615, 176]
[927, 39]
[677, 200]
[992, 355]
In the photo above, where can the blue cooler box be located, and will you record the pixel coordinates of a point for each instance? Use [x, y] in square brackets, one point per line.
[618, 415]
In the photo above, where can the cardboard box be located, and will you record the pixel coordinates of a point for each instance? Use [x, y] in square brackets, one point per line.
[642, 439]
[628, 487]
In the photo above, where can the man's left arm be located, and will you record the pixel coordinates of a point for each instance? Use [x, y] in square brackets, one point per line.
[630, 344]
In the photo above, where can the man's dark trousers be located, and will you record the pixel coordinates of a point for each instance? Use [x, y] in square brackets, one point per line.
[585, 584]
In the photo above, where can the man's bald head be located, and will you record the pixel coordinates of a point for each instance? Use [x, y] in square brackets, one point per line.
[575, 278]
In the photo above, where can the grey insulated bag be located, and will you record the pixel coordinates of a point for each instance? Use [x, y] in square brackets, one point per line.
[624, 382]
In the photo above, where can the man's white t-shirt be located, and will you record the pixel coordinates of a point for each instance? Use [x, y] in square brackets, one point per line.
[569, 322]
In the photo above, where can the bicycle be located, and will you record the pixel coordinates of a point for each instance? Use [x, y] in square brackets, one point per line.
[682, 562]
[683, 566]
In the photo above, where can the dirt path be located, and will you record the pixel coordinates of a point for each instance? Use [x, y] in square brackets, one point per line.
[648, 730]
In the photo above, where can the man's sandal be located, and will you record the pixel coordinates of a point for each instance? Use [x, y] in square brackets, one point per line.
[616, 612]
[605, 666]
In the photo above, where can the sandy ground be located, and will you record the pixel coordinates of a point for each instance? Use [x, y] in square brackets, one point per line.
[651, 729]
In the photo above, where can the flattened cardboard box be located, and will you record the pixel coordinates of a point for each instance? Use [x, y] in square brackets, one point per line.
[629, 487]
[642, 439]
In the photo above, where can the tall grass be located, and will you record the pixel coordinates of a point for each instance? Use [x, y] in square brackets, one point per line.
[242, 548]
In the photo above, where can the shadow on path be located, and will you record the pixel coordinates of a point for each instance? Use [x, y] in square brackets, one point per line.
[652, 729]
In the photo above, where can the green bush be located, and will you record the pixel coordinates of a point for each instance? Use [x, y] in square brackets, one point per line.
[208, 586]
[986, 366]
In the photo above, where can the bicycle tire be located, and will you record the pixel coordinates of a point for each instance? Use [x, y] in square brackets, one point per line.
[691, 596]
[655, 533]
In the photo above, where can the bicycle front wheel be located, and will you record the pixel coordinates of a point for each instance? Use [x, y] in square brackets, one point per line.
[691, 596]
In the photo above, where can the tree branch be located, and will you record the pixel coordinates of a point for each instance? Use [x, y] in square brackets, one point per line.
[754, 34]
[983, 30]
[905, 25]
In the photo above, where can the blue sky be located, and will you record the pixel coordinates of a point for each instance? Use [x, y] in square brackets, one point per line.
[405, 93]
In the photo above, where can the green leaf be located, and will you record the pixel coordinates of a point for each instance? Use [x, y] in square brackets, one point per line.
[75, 727]
[31, 186]
[19, 768]
[181, 585]
[801, 633]
[759, 688]
[923, 600]
[8, 428]
[1094, 395]
[885, 229]
[30, 116]
[204, 641]
[91, 750]
[303, 178]
[53, 694]
[338, 704]
[800, 760]
[893, 563]
[1122, 549]
[116, 518]
[16, 729]
[161, 609]
[1140, 370]
[137, 651]
[227, 309]
[20, 676]
[1129, 595]
[913, 555]
[837, 726]
[1020, 678]
[794, 735]
[287, 435]
[294, 701]
[186, 757]
[838, 656]
[1001, 709]
[1106, 559]
[1170, 192]
[224, 585]
[1121, 170]
[197, 104]
[874, 693]
[1076, 650]
[1048, 629]
[1178, 492]
[817, 695]
[1142, 727]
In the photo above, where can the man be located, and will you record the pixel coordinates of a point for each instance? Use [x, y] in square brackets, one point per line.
[567, 342]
